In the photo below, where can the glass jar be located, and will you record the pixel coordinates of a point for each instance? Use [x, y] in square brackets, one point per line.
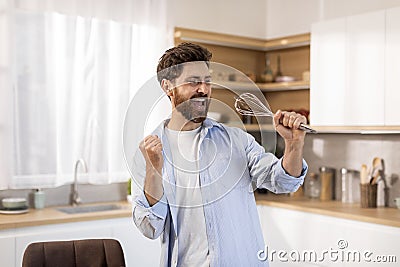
[313, 186]
[350, 186]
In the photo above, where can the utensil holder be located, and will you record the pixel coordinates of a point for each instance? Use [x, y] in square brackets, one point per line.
[368, 195]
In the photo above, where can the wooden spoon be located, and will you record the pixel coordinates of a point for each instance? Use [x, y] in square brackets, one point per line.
[364, 174]
[376, 162]
[375, 178]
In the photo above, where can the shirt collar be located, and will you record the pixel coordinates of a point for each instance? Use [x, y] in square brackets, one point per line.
[207, 123]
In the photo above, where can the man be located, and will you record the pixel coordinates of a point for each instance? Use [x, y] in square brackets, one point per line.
[195, 172]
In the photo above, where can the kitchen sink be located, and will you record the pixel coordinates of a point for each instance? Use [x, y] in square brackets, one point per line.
[86, 209]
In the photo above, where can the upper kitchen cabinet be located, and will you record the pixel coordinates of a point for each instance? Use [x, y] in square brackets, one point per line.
[392, 67]
[328, 79]
[248, 55]
[354, 72]
[365, 69]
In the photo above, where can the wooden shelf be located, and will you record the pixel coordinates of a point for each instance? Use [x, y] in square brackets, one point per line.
[204, 37]
[284, 86]
[288, 42]
[228, 40]
[264, 87]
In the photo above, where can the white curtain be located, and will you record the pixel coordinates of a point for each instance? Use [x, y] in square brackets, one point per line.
[75, 65]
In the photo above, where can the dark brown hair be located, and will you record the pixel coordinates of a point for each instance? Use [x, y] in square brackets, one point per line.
[184, 52]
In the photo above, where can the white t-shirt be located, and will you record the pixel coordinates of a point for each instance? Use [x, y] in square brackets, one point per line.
[191, 225]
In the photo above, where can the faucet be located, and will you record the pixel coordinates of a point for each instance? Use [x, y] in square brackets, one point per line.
[74, 197]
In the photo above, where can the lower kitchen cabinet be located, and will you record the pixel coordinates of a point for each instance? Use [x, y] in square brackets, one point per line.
[7, 248]
[138, 250]
[326, 241]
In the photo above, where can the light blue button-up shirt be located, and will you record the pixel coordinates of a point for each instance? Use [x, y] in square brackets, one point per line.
[231, 163]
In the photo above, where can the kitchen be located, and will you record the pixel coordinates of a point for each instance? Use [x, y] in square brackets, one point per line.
[336, 147]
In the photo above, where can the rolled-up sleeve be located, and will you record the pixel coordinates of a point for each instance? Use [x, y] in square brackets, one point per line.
[282, 182]
[150, 220]
[266, 169]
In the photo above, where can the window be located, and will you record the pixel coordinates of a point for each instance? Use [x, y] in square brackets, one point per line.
[73, 78]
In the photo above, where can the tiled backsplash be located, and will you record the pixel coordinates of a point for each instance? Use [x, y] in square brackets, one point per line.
[352, 150]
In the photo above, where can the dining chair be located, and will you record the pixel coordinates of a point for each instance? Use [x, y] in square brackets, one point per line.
[75, 253]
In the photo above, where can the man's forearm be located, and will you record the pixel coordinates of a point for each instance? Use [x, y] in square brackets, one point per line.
[293, 158]
[153, 188]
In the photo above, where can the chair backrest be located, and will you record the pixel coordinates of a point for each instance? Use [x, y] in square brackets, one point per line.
[75, 253]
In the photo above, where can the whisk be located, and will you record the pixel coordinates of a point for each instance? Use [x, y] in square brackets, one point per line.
[249, 105]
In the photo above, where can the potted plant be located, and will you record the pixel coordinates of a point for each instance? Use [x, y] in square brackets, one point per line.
[129, 190]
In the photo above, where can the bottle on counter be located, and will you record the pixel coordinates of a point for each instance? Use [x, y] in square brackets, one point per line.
[39, 199]
[278, 71]
[267, 76]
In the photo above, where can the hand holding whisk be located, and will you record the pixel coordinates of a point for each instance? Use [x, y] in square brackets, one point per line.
[248, 104]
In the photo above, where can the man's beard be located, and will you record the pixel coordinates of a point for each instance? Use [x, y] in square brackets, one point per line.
[194, 109]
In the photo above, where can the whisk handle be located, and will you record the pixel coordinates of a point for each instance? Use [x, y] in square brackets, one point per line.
[307, 128]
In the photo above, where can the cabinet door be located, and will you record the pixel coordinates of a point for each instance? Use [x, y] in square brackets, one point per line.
[295, 231]
[328, 102]
[392, 67]
[138, 249]
[7, 248]
[365, 74]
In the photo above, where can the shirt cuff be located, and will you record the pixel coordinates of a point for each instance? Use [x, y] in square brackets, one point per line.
[159, 209]
[303, 173]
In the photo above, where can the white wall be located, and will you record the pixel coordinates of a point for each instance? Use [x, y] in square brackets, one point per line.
[238, 17]
[288, 17]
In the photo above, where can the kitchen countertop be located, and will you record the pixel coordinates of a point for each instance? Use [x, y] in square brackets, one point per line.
[380, 215]
[50, 215]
